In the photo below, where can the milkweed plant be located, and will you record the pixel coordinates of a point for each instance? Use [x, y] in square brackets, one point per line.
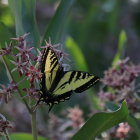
[118, 83]
[27, 66]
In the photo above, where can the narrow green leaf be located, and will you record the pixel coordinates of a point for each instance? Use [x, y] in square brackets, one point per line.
[24, 136]
[2, 138]
[121, 45]
[25, 21]
[101, 122]
[76, 53]
[134, 123]
[56, 25]
[5, 37]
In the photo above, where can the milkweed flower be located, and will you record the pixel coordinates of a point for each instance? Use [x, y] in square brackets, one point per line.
[27, 65]
[122, 130]
[33, 74]
[7, 91]
[122, 76]
[7, 50]
[75, 115]
[122, 83]
[4, 125]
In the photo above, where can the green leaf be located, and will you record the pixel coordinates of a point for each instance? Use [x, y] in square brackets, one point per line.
[2, 138]
[25, 21]
[121, 45]
[24, 136]
[76, 53]
[101, 122]
[6, 16]
[5, 37]
[110, 105]
[134, 123]
[133, 136]
[55, 27]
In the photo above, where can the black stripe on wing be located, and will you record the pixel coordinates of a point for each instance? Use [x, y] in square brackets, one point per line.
[43, 59]
[59, 75]
[86, 85]
[73, 81]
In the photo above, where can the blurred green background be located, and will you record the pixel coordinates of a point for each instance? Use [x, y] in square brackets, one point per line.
[89, 34]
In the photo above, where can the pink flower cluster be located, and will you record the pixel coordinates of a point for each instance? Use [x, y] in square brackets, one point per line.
[121, 76]
[4, 125]
[123, 130]
[27, 65]
[6, 91]
[23, 62]
[75, 115]
[121, 80]
[65, 128]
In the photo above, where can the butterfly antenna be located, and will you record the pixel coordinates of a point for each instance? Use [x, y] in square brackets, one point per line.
[50, 107]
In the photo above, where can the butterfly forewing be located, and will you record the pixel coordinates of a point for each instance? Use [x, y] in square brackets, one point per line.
[50, 67]
[74, 81]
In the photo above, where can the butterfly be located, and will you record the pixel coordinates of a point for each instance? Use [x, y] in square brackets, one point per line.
[58, 85]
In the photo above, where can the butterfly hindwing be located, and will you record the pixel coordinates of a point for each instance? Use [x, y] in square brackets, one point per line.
[74, 81]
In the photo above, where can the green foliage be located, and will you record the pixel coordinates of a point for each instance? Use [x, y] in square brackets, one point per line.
[134, 123]
[12, 76]
[77, 54]
[5, 35]
[23, 136]
[101, 122]
[121, 46]
[6, 16]
[25, 21]
[56, 25]
[133, 136]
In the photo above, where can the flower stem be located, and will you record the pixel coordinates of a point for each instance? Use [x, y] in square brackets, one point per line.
[34, 129]
[6, 135]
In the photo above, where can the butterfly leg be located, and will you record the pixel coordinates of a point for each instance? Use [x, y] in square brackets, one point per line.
[35, 106]
[50, 107]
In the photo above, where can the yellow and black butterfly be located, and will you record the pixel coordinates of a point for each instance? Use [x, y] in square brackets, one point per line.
[58, 85]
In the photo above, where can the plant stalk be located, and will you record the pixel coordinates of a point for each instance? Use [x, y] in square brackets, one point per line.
[6, 135]
[34, 129]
